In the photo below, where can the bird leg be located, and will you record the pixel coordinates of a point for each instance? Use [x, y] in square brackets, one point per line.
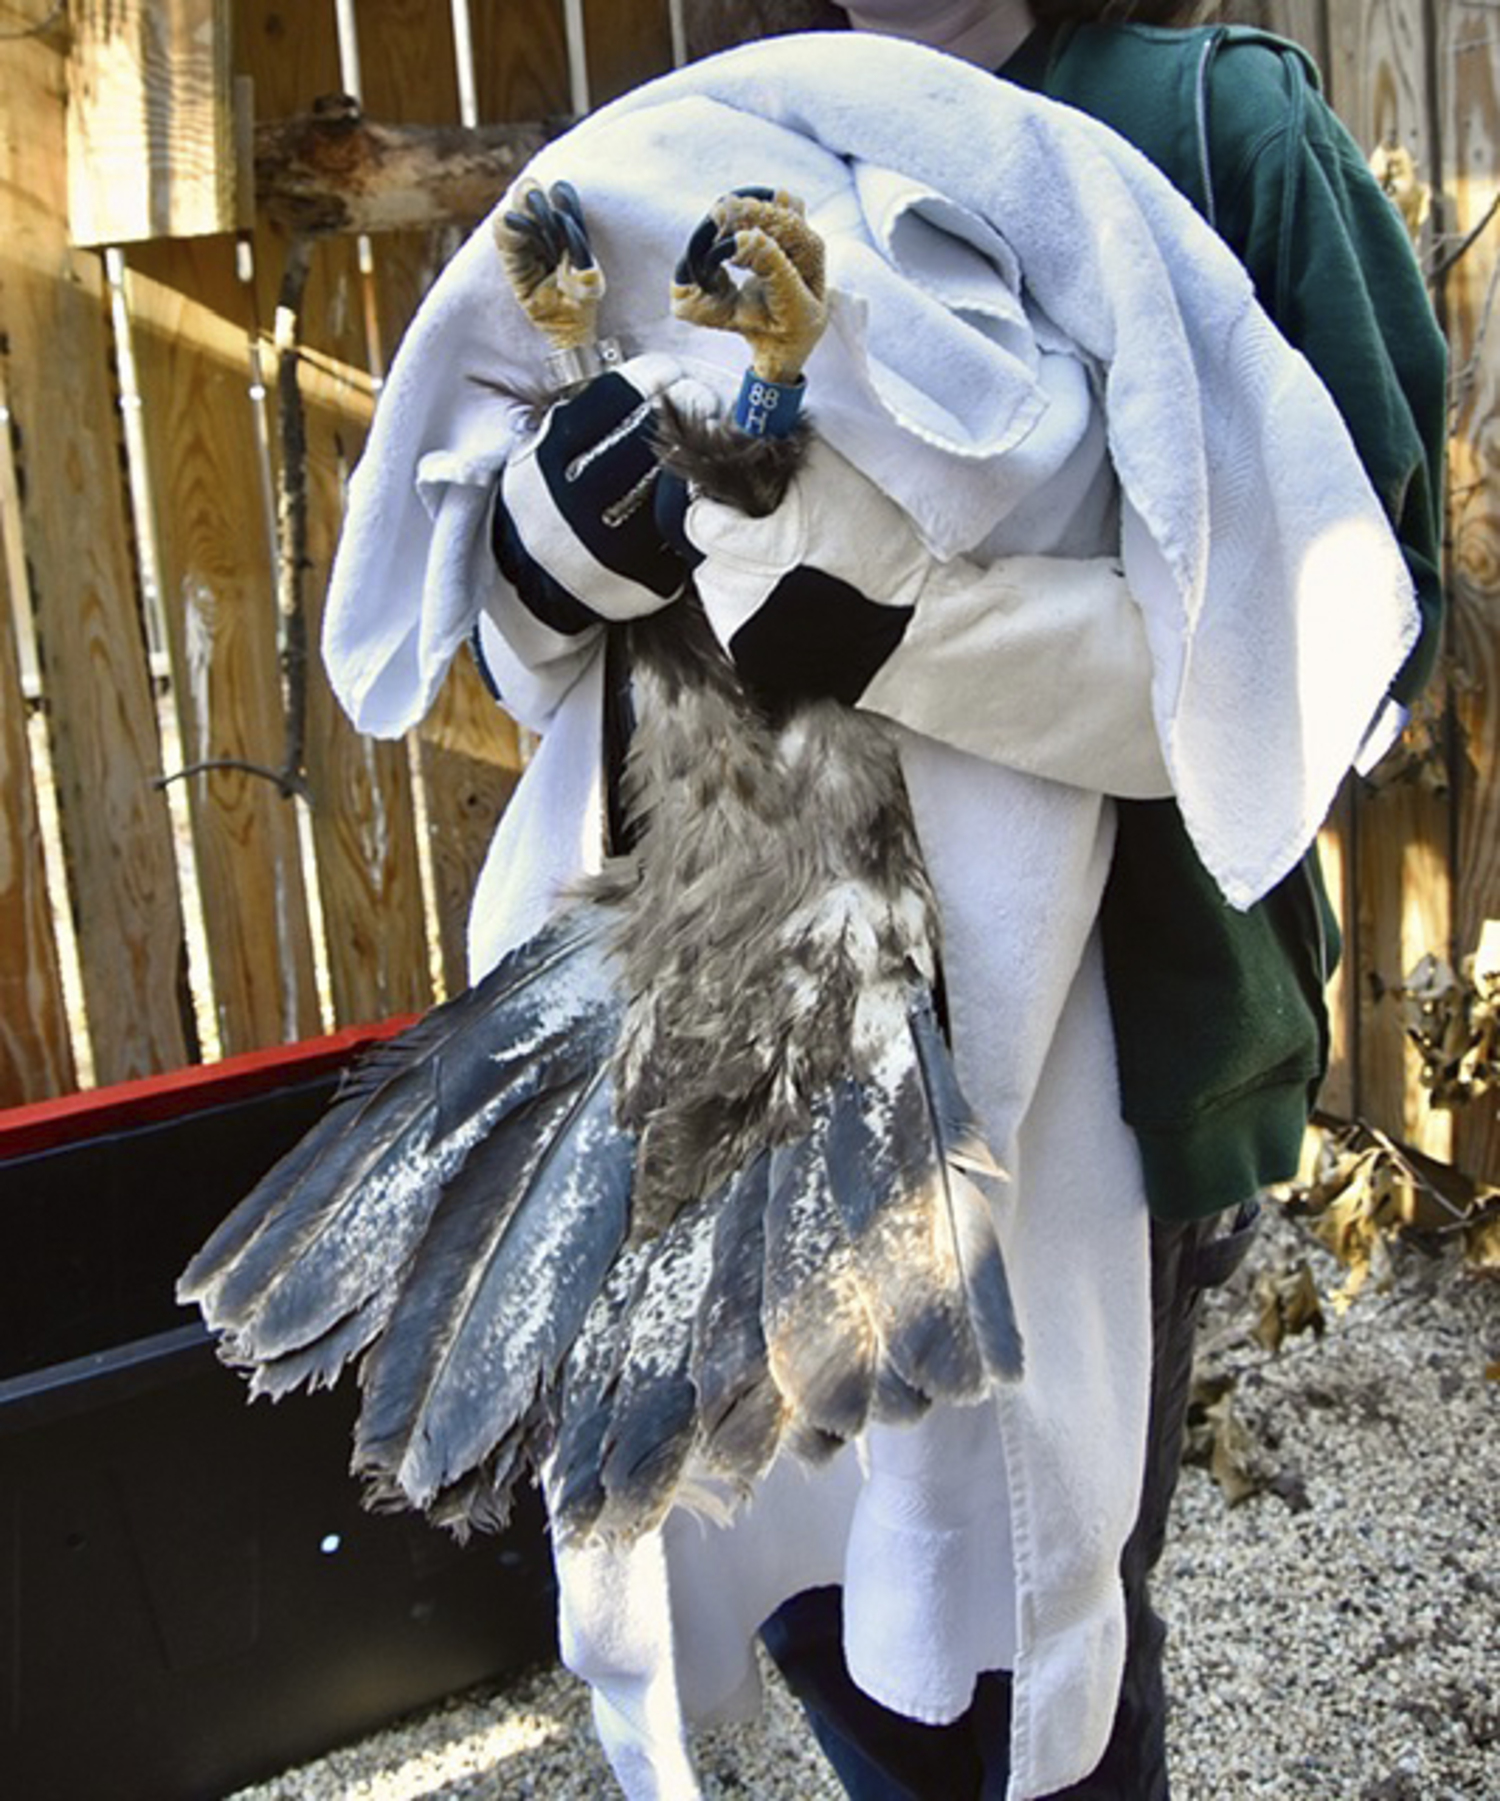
[781, 310]
[544, 246]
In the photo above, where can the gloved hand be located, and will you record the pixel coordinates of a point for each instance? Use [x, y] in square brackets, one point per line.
[574, 528]
[811, 599]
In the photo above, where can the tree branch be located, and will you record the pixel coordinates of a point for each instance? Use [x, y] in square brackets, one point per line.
[334, 171]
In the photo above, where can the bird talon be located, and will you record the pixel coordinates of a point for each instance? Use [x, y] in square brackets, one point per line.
[781, 309]
[544, 245]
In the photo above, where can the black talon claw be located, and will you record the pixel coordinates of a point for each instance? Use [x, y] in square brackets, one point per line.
[703, 261]
[544, 224]
[704, 234]
[711, 247]
[718, 255]
[576, 243]
[565, 199]
[553, 226]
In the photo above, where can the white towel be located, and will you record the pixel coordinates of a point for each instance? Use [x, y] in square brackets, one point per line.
[1275, 599]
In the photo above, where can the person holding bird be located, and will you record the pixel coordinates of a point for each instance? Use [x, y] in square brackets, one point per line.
[887, 1011]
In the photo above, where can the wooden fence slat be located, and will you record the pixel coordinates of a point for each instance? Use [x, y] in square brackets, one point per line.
[151, 149]
[116, 827]
[36, 1055]
[1335, 851]
[368, 874]
[1377, 75]
[1470, 101]
[471, 762]
[368, 870]
[468, 754]
[1403, 880]
[1304, 21]
[521, 58]
[291, 55]
[629, 42]
[219, 599]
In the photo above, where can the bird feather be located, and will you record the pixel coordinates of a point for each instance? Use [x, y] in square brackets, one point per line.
[654, 1406]
[573, 1474]
[741, 1410]
[821, 1341]
[355, 1216]
[517, 1312]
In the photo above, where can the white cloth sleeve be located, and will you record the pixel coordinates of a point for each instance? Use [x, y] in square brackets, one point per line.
[1038, 663]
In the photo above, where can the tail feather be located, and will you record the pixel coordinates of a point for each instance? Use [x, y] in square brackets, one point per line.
[320, 1364]
[654, 1415]
[969, 1216]
[473, 1216]
[740, 1408]
[517, 1314]
[574, 1477]
[358, 1207]
[382, 1093]
[821, 1340]
[891, 1179]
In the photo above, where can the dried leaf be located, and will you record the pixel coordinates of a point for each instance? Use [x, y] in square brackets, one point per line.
[1289, 1303]
[1395, 168]
[1482, 1241]
[1218, 1440]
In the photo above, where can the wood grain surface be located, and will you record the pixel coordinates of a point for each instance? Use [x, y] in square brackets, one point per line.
[115, 824]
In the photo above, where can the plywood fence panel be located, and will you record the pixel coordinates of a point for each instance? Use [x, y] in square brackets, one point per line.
[36, 1057]
[1469, 71]
[116, 827]
[219, 599]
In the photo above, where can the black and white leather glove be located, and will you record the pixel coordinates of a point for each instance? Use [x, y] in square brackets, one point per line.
[1039, 663]
[574, 527]
[812, 599]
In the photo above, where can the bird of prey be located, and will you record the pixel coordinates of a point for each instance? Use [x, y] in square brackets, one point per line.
[687, 1181]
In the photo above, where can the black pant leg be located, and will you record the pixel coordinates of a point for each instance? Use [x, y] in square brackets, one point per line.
[876, 1754]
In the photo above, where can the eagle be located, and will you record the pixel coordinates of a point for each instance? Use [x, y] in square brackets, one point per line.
[687, 1181]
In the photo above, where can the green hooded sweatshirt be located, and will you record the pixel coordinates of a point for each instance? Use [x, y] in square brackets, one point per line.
[1219, 1017]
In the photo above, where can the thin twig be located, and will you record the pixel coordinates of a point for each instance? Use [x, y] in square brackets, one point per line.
[1462, 384]
[1465, 244]
[288, 783]
[291, 504]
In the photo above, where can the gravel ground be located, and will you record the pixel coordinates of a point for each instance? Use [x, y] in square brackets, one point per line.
[1334, 1635]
